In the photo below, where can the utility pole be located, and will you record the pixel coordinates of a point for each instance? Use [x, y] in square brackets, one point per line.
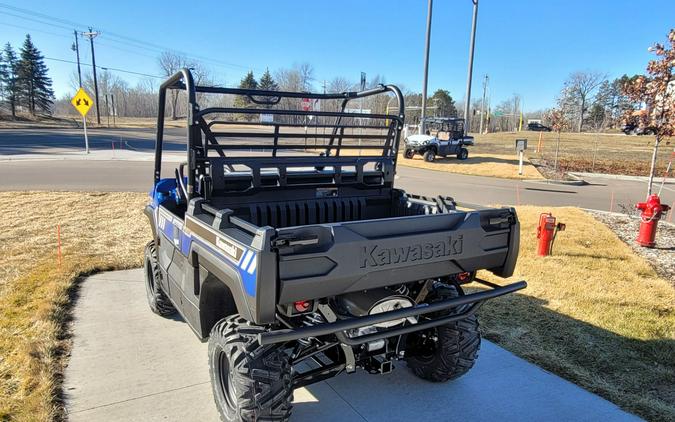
[76, 49]
[112, 102]
[426, 66]
[472, 43]
[91, 34]
[107, 108]
[482, 104]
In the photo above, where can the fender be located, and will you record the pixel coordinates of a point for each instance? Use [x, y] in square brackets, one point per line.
[149, 212]
[227, 275]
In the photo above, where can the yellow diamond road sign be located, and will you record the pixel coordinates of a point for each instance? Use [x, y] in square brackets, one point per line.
[82, 102]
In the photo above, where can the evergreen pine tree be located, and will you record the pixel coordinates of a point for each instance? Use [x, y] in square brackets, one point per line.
[3, 75]
[34, 83]
[249, 81]
[240, 101]
[267, 83]
[9, 87]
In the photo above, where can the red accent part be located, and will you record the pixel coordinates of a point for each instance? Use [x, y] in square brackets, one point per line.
[652, 210]
[302, 305]
[463, 276]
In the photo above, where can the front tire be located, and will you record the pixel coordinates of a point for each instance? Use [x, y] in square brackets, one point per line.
[250, 382]
[429, 156]
[157, 300]
[463, 154]
[409, 154]
[448, 351]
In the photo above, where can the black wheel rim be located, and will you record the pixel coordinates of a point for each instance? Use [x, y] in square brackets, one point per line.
[421, 345]
[224, 372]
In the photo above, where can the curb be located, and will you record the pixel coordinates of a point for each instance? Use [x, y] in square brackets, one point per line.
[578, 182]
[669, 180]
[631, 216]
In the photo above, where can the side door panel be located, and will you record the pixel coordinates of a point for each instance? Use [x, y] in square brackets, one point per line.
[167, 248]
[180, 274]
[443, 147]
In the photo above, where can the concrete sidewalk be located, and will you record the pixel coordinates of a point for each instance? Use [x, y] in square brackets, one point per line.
[128, 364]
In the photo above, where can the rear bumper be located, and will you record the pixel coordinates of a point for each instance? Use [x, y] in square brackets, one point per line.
[339, 328]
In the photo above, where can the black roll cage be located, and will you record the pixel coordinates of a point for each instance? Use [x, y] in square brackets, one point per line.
[201, 138]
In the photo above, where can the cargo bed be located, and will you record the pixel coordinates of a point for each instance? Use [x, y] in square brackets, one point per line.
[330, 246]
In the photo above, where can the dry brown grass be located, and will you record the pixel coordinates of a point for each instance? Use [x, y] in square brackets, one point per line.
[594, 313]
[99, 232]
[136, 122]
[585, 152]
[504, 166]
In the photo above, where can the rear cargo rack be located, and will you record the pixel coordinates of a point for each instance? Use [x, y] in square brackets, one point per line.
[280, 141]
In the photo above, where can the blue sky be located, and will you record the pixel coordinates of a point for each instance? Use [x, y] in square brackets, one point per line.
[526, 47]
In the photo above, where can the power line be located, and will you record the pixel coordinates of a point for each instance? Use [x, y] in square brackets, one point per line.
[106, 68]
[121, 39]
[34, 20]
[35, 30]
[38, 14]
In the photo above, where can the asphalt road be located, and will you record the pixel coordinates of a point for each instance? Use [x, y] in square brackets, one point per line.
[128, 364]
[40, 172]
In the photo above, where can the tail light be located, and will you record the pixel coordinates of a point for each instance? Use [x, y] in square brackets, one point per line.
[302, 306]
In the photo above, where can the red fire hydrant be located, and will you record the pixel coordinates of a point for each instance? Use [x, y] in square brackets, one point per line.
[546, 233]
[652, 210]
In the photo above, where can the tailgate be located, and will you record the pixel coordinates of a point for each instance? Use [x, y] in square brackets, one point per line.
[330, 259]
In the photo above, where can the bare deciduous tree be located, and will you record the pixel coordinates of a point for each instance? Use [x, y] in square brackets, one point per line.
[558, 123]
[580, 88]
[170, 63]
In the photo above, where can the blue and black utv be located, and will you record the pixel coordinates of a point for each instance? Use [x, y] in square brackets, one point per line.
[288, 248]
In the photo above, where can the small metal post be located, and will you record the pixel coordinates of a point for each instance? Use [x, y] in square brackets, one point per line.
[112, 101]
[482, 104]
[557, 150]
[107, 109]
[86, 138]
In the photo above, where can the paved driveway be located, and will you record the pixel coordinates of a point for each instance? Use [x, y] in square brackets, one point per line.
[128, 364]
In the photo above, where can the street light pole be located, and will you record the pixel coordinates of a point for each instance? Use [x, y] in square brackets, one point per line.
[426, 67]
[472, 43]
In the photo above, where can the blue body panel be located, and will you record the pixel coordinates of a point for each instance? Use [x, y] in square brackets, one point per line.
[165, 190]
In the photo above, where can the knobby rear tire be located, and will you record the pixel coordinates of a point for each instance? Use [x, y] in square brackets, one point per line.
[250, 382]
[157, 300]
[456, 348]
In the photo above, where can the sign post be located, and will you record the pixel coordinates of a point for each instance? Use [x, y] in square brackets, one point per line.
[82, 103]
[521, 146]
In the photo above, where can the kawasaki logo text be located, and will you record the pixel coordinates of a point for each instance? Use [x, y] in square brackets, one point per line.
[375, 256]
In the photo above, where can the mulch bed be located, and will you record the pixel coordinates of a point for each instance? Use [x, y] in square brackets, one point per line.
[661, 257]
